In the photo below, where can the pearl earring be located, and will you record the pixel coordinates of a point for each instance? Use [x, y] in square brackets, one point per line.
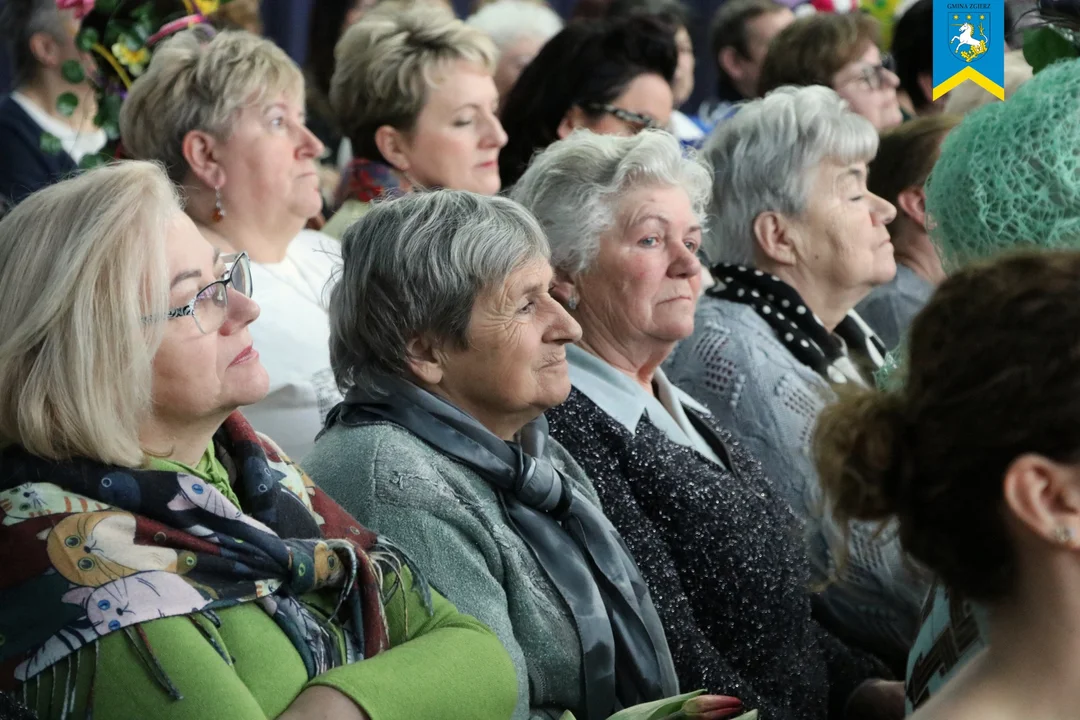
[1063, 535]
[572, 303]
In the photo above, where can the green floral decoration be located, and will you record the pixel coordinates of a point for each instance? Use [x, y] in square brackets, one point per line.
[1046, 45]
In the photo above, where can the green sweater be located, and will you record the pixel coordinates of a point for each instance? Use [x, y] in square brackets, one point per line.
[451, 666]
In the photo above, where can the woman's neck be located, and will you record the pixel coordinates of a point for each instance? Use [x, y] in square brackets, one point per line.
[828, 304]
[45, 91]
[915, 250]
[1030, 664]
[180, 441]
[637, 363]
[237, 233]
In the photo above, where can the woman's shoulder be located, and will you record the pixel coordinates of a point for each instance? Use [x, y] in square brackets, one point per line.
[314, 246]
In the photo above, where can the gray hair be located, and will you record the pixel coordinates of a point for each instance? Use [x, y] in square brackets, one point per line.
[507, 21]
[764, 159]
[197, 82]
[414, 267]
[21, 20]
[574, 187]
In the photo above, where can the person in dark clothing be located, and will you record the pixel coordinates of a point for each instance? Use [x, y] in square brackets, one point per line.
[40, 142]
[717, 544]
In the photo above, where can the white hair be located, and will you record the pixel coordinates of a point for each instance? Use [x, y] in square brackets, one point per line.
[574, 187]
[764, 159]
[507, 21]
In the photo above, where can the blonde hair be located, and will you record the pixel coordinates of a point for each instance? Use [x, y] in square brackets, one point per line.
[386, 62]
[200, 83]
[81, 263]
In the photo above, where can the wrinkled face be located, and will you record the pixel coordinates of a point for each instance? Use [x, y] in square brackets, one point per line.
[269, 163]
[643, 286]
[843, 240]
[515, 365]
[870, 89]
[647, 95]
[457, 137]
[683, 84]
[512, 60]
[199, 376]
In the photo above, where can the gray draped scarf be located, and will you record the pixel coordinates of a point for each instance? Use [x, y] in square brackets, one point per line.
[625, 654]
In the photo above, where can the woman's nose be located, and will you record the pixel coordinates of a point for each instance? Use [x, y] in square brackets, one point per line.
[563, 329]
[496, 135]
[241, 312]
[884, 211]
[310, 145]
[685, 264]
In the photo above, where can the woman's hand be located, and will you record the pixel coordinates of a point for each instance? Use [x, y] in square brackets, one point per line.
[323, 703]
[877, 700]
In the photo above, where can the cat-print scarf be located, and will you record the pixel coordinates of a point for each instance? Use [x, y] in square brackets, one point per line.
[87, 549]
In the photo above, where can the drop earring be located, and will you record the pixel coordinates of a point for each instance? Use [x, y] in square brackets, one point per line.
[219, 211]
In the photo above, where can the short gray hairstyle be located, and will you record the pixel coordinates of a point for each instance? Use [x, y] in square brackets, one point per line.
[20, 20]
[196, 82]
[574, 186]
[414, 267]
[764, 158]
[507, 21]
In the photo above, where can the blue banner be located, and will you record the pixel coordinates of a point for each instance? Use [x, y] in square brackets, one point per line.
[969, 44]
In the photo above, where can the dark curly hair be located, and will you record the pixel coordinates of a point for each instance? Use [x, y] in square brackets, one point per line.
[993, 374]
[589, 62]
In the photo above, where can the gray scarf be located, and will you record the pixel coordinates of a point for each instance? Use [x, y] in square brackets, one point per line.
[626, 656]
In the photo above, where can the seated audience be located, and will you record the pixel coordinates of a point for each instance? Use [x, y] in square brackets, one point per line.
[608, 76]
[986, 501]
[40, 141]
[1006, 179]
[839, 51]
[225, 116]
[716, 542]
[163, 559]
[912, 51]
[519, 28]
[741, 33]
[675, 15]
[801, 241]
[413, 91]
[904, 159]
[450, 349]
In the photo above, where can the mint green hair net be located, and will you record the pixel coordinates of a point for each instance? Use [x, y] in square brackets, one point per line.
[1009, 174]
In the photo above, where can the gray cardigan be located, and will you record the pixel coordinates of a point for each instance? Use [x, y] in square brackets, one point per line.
[452, 524]
[759, 391]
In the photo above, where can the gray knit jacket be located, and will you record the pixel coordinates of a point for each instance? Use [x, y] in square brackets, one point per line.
[452, 525]
[759, 391]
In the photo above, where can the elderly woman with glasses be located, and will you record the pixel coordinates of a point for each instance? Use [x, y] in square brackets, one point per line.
[161, 558]
[840, 51]
[716, 541]
[802, 240]
[631, 65]
[450, 349]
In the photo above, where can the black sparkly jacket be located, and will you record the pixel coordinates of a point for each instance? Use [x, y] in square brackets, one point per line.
[724, 561]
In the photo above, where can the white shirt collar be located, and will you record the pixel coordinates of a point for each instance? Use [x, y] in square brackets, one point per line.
[625, 401]
[76, 143]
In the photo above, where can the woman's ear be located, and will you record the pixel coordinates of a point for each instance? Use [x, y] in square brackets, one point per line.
[776, 236]
[425, 360]
[45, 50]
[199, 149]
[572, 120]
[912, 202]
[1045, 497]
[563, 289]
[391, 142]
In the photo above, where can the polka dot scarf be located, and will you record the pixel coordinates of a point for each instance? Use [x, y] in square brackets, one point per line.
[797, 327]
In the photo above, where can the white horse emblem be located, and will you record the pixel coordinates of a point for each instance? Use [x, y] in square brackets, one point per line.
[967, 40]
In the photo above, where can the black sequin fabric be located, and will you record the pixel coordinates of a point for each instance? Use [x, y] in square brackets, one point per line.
[723, 557]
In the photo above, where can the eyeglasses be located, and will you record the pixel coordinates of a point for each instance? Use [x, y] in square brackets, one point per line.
[642, 122]
[210, 306]
[875, 76]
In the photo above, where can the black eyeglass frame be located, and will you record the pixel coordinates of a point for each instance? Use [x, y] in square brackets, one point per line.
[627, 116]
[230, 263]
